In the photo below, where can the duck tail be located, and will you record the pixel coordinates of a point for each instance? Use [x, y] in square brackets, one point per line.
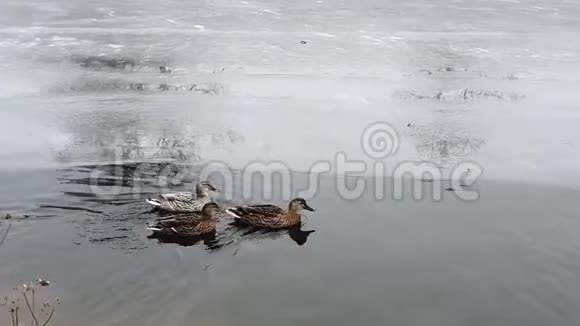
[232, 211]
[153, 228]
[154, 202]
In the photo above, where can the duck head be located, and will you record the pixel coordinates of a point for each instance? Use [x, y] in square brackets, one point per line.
[204, 188]
[210, 210]
[297, 205]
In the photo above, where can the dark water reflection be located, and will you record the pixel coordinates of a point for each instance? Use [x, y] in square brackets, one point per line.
[414, 262]
[296, 233]
[208, 240]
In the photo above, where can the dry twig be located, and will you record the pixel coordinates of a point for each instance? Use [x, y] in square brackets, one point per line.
[5, 234]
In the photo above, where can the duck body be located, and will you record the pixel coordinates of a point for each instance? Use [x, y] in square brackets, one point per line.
[184, 202]
[179, 202]
[270, 216]
[192, 226]
[184, 227]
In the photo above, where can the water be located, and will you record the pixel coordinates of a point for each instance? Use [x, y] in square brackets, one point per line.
[508, 258]
[82, 92]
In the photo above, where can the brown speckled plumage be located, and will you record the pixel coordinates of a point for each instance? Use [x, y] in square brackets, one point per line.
[270, 216]
[195, 225]
[184, 201]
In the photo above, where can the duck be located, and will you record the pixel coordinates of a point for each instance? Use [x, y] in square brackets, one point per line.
[184, 202]
[193, 226]
[270, 216]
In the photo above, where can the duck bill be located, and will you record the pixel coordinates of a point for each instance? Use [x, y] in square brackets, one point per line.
[308, 208]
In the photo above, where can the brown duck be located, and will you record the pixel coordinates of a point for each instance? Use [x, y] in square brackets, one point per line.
[195, 225]
[270, 216]
[184, 202]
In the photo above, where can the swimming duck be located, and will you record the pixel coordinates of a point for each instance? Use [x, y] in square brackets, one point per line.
[184, 201]
[270, 216]
[196, 225]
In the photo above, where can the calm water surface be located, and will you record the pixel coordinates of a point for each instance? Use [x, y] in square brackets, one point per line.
[505, 259]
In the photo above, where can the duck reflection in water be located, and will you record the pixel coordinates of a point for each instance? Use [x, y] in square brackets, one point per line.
[296, 233]
[209, 240]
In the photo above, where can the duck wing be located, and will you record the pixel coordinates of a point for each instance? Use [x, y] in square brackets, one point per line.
[195, 227]
[177, 205]
[177, 222]
[183, 227]
[257, 215]
[265, 210]
[167, 201]
[177, 196]
[180, 216]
